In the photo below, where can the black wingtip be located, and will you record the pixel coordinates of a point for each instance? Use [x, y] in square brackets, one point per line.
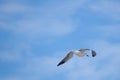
[60, 63]
[93, 53]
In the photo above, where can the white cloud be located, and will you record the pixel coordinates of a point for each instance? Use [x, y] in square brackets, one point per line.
[110, 30]
[49, 19]
[9, 56]
[12, 8]
[14, 52]
[104, 65]
[52, 19]
[45, 27]
[55, 20]
[11, 78]
[105, 31]
[109, 8]
[38, 67]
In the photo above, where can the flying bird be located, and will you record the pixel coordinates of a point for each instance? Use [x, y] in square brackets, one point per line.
[79, 53]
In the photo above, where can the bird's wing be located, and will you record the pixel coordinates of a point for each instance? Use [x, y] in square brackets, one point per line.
[83, 49]
[93, 53]
[66, 58]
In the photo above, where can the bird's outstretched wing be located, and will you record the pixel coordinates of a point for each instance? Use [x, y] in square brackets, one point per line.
[93, 53]
[83, 49]
[66, 58]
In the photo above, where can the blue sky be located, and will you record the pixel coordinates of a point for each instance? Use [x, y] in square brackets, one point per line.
[36, 34]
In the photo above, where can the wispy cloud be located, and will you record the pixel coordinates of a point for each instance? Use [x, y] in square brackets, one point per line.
[50, 19]
[107, 31]
[104, 65]
[109, 8]
[13, 7]
[27, 21]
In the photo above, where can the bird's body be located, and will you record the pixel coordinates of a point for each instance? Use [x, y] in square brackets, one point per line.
[79, 53]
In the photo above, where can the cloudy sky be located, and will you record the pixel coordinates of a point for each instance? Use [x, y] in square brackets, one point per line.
[36, 34]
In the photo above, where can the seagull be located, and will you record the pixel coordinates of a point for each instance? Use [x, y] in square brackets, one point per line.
[79, 53]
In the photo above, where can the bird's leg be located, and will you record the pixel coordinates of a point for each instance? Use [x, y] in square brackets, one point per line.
[87, 55]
